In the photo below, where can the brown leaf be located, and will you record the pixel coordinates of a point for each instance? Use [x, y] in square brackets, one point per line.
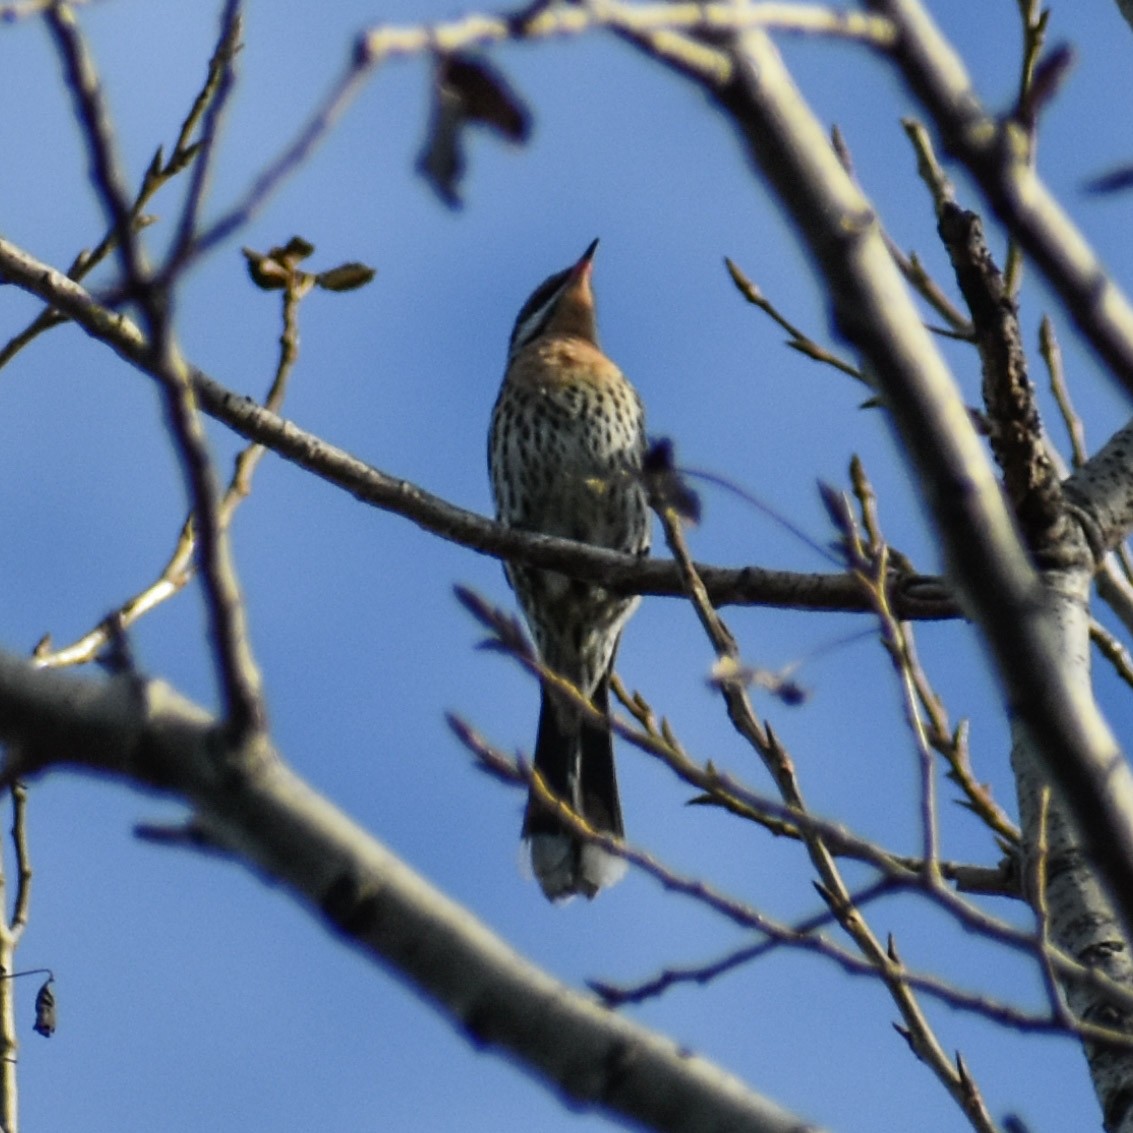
[45, 1010]
[663, 482]
[267, 273]
[441, 161]
[466, 92]
[345, 277]
[294, 251]
[485, 96]
[274, 269]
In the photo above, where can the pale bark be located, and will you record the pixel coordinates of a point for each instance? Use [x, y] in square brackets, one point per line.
[250, 805]
[1080, 919]
[1066, 741]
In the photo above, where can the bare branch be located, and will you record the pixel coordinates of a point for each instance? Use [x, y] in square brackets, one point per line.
[1052, 357]
[22, 901]
[798, 340]
[1014, 428]
[212, 103]
[479, 30]
[157, 175]
[320, 124]
[274, 823]
[238, 675]
[910, 266]
[997, 153]
[179, 569]
[94, 119]
[987, 563]
[913, 597]
[832, 886]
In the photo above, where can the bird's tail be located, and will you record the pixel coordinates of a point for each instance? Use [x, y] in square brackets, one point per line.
[576, 760]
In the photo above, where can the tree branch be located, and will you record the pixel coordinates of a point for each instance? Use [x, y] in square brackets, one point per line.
[986, 561]
[997, 154]
[249, 804]
[914, 597]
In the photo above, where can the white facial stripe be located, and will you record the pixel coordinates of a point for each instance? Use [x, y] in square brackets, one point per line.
[530, 327]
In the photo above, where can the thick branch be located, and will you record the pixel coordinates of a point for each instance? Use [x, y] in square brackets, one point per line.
[1015, 430]
[986, 560]
[270, 820]
[997, 154]
[1102, 489]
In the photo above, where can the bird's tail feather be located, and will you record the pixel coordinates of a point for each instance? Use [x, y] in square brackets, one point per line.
[576, 760]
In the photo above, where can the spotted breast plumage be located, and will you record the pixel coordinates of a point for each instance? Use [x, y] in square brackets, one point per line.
[565, 452]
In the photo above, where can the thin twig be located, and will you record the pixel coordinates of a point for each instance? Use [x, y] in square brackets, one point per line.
[724, 790]
[999, 161]
[917, 1028]
[918, 277]
[873, 569]
[157, 175]
[222, 78]
[933, 727]
[910, 266]
[308, 139]
[1038, 860]
[22, 902]
[1116, 652]
[1034, 20]
[179, 569]
[93, 116]
[1052, 357]
[1115, 587]
[239, 678]
[798, 340]
[803, 935]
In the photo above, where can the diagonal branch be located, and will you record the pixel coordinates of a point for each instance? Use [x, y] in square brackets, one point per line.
[271, 821]
[997, 153]
[913, 597]
[239, 677]
[832, 885]
[986, 561]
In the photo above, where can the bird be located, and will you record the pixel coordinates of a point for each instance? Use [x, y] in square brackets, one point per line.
[565, 452]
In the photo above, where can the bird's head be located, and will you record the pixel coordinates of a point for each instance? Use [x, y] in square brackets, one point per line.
[563, 305]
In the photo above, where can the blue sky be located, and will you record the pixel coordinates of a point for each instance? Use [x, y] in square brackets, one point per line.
[194, 996]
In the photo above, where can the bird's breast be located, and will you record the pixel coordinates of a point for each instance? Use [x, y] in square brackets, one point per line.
[553, 364]
[566, 446]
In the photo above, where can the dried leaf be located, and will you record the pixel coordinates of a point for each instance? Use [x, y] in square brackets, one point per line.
[485, 95]
[275, 269]
[294, 251]
[466, 92]
[267, 273]
[441, 161]
[45, 1010]
[664, 484]
[345, 277]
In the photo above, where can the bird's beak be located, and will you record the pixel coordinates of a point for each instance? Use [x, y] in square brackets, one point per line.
[587, 256]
